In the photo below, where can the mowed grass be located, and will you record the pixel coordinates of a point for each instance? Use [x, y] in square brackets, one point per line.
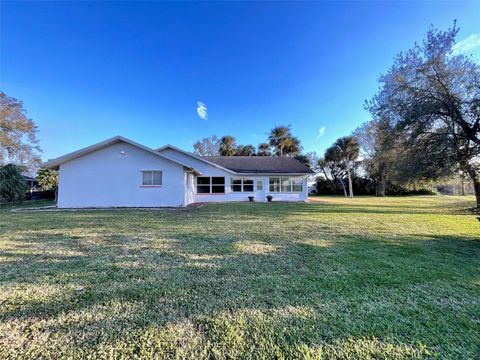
[338, 278]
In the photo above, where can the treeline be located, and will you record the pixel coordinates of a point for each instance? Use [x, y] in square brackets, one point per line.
[280, 142]
[425, 122]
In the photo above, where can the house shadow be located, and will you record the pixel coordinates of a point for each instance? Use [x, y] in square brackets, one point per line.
[299, 290]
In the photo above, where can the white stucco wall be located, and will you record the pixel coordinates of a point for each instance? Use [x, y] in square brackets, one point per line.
[108, 178]
[210, 170]
[259, 195]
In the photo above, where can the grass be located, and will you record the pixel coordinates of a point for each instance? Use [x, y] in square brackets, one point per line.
[339, 278]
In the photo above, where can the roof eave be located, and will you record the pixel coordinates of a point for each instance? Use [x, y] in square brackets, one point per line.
[195, 157]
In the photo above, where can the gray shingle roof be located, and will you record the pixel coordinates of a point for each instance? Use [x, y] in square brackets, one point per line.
[260, 164]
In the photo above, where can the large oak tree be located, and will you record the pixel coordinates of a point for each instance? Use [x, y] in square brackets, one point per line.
[431, 94]
[18, 135]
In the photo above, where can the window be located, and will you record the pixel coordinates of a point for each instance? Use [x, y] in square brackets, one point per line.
[286, 184]
[210, 185]
[259, 184]
[151, 178]
[241, 184]
[274, 184]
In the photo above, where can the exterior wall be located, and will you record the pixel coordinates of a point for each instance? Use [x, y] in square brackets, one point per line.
[108, 178]
[189, 188]
[259, 195]
[210, 170]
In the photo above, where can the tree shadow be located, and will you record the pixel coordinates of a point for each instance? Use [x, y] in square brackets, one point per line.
[101, 287]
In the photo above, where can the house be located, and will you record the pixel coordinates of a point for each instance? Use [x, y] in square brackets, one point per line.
[119, 172]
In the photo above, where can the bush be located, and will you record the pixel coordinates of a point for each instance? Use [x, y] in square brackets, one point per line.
[12, 184]
[366, 186]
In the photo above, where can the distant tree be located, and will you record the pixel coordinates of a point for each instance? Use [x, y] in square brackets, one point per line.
[431, 95]
[245, 150]
[333, 168]
[292, 146]
[310, 159]
[208, 146]
[12, 183]
[379, 152]
[228, 146]
[48, 180]
[18, 135]
[283, 142]
[264, 150]
[303, 159]
[346, 150]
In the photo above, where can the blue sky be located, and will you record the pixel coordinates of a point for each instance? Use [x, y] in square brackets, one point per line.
[89, 71]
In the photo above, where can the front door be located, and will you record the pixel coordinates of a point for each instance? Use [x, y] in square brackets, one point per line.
[259, 190]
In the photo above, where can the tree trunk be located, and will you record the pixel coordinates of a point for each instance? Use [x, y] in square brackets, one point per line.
[462, 184]
[344, 189]
[350, 187]
[476, 184]
[382, 185]
[476, 187]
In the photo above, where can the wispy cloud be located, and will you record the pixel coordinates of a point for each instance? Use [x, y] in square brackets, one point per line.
[202, 110]
[321, 131]
[467, 45]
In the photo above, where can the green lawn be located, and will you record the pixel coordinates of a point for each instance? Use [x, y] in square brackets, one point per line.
[337, 278]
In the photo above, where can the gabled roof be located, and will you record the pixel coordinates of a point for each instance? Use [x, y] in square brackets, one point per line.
[55, 163]
[250, 164]
[260, 164]
[201, 158]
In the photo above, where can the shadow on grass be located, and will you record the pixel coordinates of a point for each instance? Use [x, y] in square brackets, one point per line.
[102, 278]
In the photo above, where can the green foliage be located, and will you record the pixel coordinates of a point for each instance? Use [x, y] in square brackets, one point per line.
[431, 95]
[12, 183]
[228, 146]
[47, 179]
[18, 135]
[264, 150]
[339, 161]
[362, 278]
[283, 142]
[245, 150]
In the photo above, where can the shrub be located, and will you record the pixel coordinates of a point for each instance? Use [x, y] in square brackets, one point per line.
[12, 183]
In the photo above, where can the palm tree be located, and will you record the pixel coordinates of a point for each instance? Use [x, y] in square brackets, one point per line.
[332, 163]
[264, 150]
[284, 143]
[348, 149]
[246, 150]
[292, 146]
[228, 147]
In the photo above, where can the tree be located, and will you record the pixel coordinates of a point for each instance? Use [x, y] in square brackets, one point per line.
[228, 146]
[12, 183]
[18, 135]
[264, 150]
[379, 150]
[332, 168]
[48, 180]
[346, 150]
[245, 150]
[208, 146]
[431, 95]
[309, 159]
[283, 142]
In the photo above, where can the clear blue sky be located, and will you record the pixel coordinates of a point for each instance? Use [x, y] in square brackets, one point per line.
[89, 71]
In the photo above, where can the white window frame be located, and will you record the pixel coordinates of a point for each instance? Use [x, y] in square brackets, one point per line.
[151, 178]
[242, 189]
[290, 185]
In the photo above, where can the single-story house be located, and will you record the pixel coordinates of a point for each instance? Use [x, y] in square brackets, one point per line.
[119, 172]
